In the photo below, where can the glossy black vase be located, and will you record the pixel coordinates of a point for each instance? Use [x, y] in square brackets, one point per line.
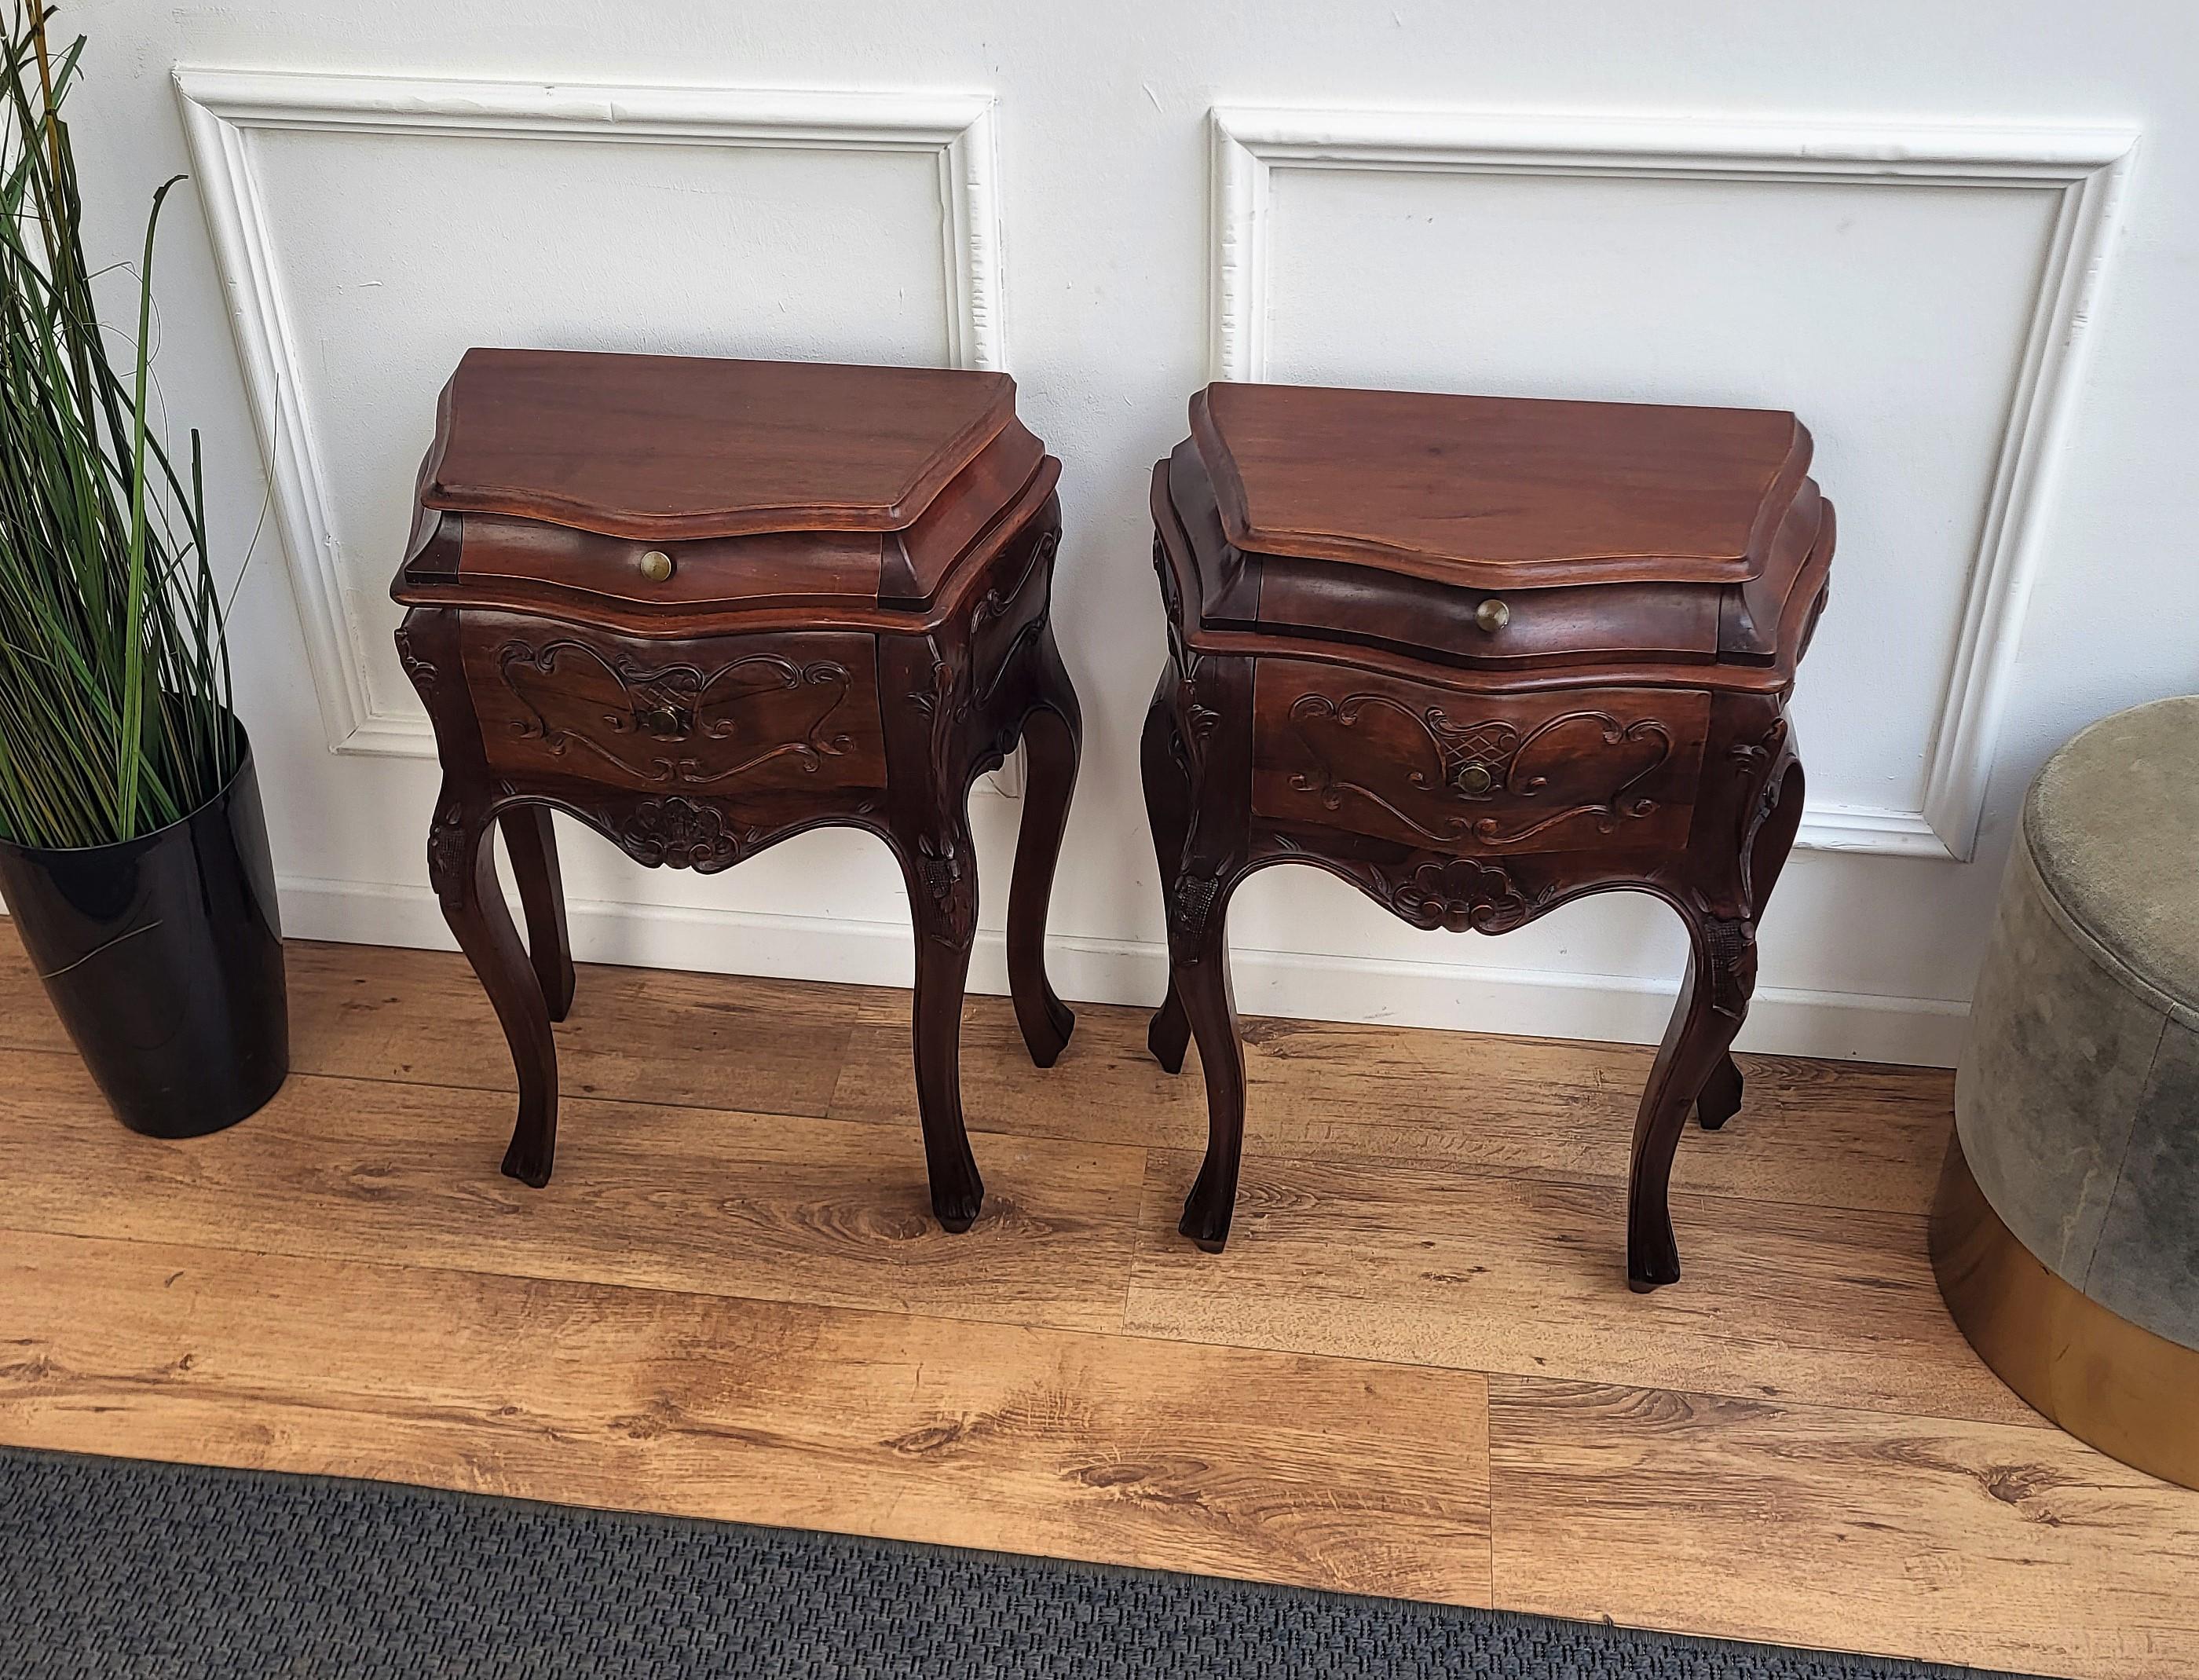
[164, 958]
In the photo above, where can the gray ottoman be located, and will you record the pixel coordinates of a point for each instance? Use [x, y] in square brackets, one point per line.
[2066, 1234]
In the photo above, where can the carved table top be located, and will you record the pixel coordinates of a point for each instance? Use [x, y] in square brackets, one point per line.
[1515, 537]
[598, 484]
[1501, 491]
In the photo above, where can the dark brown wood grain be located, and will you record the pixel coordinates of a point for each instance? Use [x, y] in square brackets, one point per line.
[1480, 658]
[560, 703]
[1502, 492]
[1429, 765]
[704, 606]
[680, 446]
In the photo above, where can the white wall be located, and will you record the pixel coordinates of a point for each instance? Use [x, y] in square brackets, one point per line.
[1999, 584]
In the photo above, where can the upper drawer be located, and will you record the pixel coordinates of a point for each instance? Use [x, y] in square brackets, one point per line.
[733, 715]
[1492, 629]
[1453, 771]
[1444, 621]
[535, 562]
[767, 567]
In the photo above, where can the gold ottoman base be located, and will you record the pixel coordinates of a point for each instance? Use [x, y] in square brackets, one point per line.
[2127, 1391]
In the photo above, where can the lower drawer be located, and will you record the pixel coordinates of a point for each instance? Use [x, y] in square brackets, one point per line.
[732, 715]
[1440, 768]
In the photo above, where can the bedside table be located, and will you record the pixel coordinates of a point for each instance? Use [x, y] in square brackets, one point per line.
[1481, 656]
[703, 605]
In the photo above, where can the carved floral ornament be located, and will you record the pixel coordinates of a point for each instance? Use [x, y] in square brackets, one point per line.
[421, 671]
[637, 717]
[1461, 894]
[1477, 763]
[683, 833]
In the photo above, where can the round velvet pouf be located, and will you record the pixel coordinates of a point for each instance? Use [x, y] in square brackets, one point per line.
[2066, 1233]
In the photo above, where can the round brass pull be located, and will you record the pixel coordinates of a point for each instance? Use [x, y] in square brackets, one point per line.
[665, 722]
[655, 565]
[1492, 615]
[1474, 778]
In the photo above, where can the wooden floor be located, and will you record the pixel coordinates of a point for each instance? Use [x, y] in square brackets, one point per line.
[1417, 1370]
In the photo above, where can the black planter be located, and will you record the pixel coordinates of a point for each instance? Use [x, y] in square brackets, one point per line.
[164, 958]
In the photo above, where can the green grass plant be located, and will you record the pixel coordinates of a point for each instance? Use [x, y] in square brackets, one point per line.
[114, 675]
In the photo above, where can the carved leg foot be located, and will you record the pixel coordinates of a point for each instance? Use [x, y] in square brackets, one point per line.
[532, 845]
[1721, 1098]
[461, 866]
[943, 889]
[1052, 736]
[1713, 1000]
[1694, 1063]
[1199, 954]
[1168, 813]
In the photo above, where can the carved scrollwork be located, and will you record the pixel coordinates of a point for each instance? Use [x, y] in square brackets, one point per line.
[421, 671]
[1756, 759]
[1730, 953]
[1477, 763]
[941, 866]
[681, 833]
[1171, 602]
[1461, 894]
[948, 704]
[1752, 757]
[1192, 721]
[1477, 757]
[636, 717]
[1000, 664]
[1767, 761]
[1191, 905]
[934, 701]
[997, 602]
[447, 848]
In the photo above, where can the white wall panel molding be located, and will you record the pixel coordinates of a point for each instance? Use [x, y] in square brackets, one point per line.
[223, 111]
[2079, 171]
[1782, 1020]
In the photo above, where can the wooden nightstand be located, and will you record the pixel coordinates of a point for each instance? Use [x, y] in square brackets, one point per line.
[1480, 656]
[703, 605]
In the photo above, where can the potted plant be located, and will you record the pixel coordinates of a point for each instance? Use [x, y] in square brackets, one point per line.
[133, 853]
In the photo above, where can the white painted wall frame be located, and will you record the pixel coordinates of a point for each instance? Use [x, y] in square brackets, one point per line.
[222, 108]
[2083, 170]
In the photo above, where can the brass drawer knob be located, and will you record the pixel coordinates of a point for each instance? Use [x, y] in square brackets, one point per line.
[1492, 615]
[655, 565]
[1474, 778]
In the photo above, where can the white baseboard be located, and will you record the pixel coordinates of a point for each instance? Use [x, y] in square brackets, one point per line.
[1787, 1021]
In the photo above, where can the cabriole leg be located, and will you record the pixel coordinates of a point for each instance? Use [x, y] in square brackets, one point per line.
[941, 868]
[1199, 963]
[1052, 738]
[532, 844]
[1712, 1003]
[462, 865]
[1694, 1063]
[1168, 813]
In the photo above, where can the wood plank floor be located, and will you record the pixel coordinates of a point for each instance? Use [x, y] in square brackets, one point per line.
[1417, 1370]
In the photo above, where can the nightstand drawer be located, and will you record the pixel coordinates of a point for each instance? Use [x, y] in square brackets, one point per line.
[769, 567]
[1441, 768]
[735, 714]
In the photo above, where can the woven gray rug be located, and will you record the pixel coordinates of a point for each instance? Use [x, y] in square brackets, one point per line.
[110, 1567]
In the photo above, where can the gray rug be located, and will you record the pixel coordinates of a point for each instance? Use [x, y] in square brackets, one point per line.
[110, 1567]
